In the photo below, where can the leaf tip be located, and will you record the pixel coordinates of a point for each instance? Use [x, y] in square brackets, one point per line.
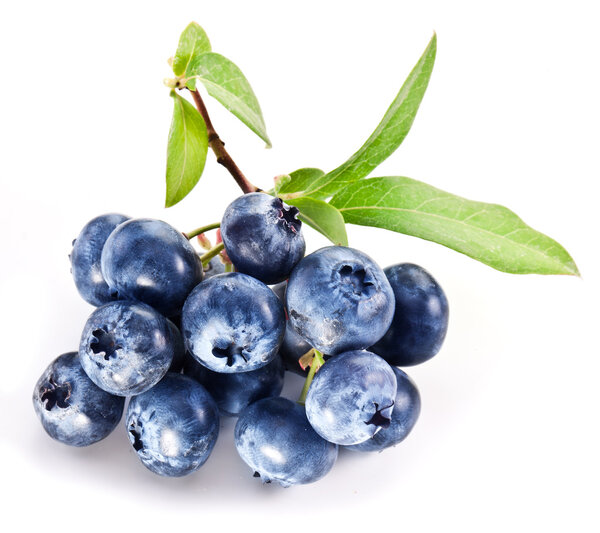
[433, 42]
[575, 270]
[193, 24]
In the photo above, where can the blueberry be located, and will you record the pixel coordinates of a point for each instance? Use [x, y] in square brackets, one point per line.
[233, 323]
[274, 438]
[262, 236]
[234, 392]
[351, 397]
[173, 426]
[214, 267]
[407, 407]
[420, 320]
[338, 299]
[126, 347]
[150, 261]
[72, 409]
[85, 259]
[292, 349]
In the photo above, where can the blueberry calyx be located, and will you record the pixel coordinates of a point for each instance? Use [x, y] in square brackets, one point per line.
[379, 419]
[356, 280]
[288, 215]
[264, 480]
[55, 394]
[104, 343]
[230, 352]
[135, 432]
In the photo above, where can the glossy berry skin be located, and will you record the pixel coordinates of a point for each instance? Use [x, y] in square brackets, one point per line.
[292, 349]
[233, 323]
[72, 409]
[407, 407]
[126, 347]
[351, 397]
[262, 236]
[233, 392]
[420, 320]
[173, 427]
[150, 261]
[85, 258]
[274, 438]
[338, 299]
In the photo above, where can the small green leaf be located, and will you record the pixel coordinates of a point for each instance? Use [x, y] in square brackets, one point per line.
[186, 150]
[323, 217]
[225, 82]
[193, 41]
[388, 135]
[280, 181]
[300, 180]
[489, 233]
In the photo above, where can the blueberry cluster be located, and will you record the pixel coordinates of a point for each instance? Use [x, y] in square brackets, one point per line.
[187, 344]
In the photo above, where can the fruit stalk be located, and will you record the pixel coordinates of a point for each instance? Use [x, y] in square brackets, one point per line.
[202, 229]
[317, 362]
[218, 147]
[215, 250]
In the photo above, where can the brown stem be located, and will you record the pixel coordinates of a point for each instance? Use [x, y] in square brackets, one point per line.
[218, 147]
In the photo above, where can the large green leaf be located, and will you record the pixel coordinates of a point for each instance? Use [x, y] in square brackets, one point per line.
[489, 233]
[225, 82]
[323, 217]
[193, 41]
[388, 135]
[186, 150]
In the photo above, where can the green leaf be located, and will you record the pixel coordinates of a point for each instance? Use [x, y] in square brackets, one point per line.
[300, 180]
[186, 150]
[323, 217]
[489, 233]
[280, 181]
[193, 41]
[388, 135]
[225, 82]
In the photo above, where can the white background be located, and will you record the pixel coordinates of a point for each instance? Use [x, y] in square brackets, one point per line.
[508, 439]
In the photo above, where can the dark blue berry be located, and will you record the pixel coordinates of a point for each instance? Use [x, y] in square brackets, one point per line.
[72, 409]
[262, 236]
[420, 321]
[338, 299]
[173, 427]
[233, 323]
[150, 261]
[407, 407]
[126, 347]
[274, 438]
[85, 259]
[233, 392]
[351, 397]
